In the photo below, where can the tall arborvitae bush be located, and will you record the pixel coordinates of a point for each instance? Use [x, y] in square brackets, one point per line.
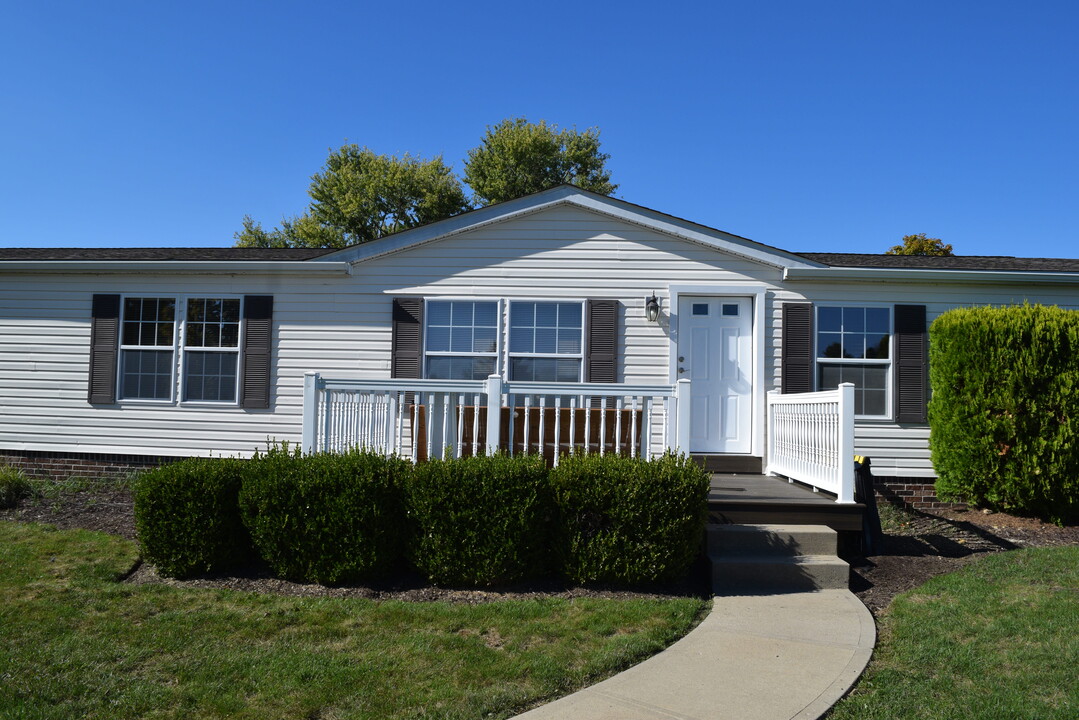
[187, 517]
[628, 521]
[326, 518]
[480, 520]
[1005, 408]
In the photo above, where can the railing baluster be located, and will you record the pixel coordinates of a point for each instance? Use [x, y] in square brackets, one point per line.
[572, 423]
[633, 428]
[528, 412]
[587, 424]
[618, 425]
[541, 440]
[557, 429]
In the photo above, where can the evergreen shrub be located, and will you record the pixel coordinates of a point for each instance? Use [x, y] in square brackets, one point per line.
[187, 517]
[326, 518]
[1005, 409]
[480, 520]
[628, 521]
[14, 486]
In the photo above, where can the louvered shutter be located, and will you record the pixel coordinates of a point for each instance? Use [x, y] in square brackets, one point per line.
[797, 360]
[257, 351]
[406, 354]
[602, 332]
[104, 348]
[911, 364]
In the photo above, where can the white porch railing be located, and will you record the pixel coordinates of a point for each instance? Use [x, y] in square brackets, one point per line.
[420, 419]
[811, 439]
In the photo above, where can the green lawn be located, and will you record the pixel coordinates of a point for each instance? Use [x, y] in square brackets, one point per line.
[997, 639]
[76, 643]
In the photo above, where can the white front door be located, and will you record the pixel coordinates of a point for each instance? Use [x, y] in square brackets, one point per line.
[715, 351]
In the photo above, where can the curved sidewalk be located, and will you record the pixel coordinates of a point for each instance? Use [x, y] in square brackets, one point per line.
[755, 657]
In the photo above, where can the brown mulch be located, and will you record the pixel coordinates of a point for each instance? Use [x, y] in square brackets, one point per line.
[917, 548]
[927, 544]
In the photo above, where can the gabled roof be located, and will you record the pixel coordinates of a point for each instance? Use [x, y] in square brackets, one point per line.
[572, 196]
[164, 254]
[955, 262]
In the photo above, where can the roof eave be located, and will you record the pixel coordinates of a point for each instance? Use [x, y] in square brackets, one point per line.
[920, 275]
[174, 267]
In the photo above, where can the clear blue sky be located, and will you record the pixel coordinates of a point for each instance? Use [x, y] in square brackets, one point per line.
[837, 125]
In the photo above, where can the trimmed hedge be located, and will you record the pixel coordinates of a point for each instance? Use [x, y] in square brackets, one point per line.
[187, 518]
[1005, 409]
[480, 520]
[626, 521]
[328, 519]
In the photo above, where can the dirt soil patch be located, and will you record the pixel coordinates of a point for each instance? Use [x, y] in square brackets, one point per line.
[917, 546]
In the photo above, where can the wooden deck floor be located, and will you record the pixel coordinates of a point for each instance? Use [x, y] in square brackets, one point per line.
[760, 499]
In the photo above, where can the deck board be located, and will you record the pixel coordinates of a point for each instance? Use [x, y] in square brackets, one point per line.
[761, 499]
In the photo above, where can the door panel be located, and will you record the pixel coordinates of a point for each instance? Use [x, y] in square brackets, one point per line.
[715, 351]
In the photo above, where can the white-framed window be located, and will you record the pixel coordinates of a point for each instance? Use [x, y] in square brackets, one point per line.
[195, 338]
[147, 348]
[545, 340]
[211, 341]
[854, 345]
[461, 339]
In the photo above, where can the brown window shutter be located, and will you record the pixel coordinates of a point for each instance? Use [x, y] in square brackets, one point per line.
[911, 364]
[602, 330]
[257, 350]
[104, 348]
[797, 360]
[406, 353]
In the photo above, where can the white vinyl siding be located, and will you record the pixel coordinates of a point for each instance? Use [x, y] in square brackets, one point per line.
[340, 325]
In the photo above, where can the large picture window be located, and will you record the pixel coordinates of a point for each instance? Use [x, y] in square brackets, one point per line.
[462, 339]
[854, 345]
[545, 341]
[207, 330]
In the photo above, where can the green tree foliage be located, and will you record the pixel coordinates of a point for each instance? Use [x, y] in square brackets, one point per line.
[360, 195]
[919, 244]
[516, 158]
[1005, 408]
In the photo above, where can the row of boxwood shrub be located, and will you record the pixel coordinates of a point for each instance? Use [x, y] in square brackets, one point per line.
[476, 521]
[1005, 408]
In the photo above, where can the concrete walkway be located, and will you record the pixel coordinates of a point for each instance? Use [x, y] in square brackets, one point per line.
[755, 657]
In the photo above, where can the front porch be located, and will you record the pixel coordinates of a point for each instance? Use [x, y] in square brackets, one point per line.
[809, 436]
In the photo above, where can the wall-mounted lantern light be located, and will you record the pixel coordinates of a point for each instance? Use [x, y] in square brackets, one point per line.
[651, 306]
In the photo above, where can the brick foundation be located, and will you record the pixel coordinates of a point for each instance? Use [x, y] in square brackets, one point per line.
[95, 466]
[916, 493]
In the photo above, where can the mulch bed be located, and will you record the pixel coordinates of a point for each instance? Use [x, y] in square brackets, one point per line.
[924, 545]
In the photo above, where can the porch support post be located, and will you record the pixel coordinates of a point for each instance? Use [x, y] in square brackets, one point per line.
[494, 413]
[846, 443]
[309, 442]
[681, 423]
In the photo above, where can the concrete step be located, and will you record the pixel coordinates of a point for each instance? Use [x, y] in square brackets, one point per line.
[750, 559]
[748, 574]
[779, 540]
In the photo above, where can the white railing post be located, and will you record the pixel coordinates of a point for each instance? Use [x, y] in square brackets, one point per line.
[846, 443]
[682, 412]
[770, 429]
[308, 442]
[494, 413]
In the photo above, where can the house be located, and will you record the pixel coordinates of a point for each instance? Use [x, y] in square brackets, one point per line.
[113, 358]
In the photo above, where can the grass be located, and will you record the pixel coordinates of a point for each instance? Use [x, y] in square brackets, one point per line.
[76, 643]
[997, 639]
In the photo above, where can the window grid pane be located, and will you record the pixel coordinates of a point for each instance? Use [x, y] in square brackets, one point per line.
[469, 330]
[212, 322]
[146, 374]
[210, 376]
[853, 333]
[545, 328]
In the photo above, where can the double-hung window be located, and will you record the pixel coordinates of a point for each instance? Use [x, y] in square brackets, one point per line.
[147, 348]
[545, 341]
[854, 345]
[199, 338]
[462, 339]
[211, 349]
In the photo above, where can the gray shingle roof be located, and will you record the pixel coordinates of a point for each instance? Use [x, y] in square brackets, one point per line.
[961, 262]
[162, 254]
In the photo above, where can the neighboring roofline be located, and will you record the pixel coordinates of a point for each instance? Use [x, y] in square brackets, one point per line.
[176, 267]
[923, 275]
[570, 195]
